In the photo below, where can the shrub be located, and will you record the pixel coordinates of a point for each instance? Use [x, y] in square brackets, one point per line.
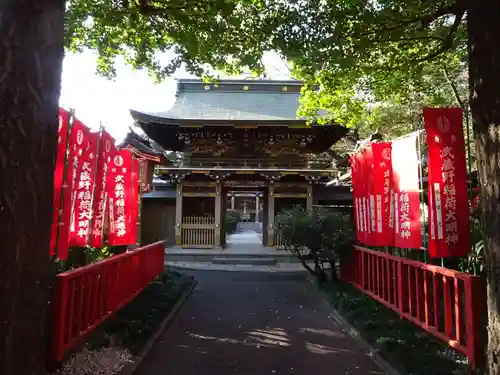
[319, 236]
[82, 256]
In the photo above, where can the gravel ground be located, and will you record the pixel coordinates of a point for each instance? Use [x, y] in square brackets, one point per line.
[103, 361]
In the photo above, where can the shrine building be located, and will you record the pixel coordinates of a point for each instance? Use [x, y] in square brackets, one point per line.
[234, 145]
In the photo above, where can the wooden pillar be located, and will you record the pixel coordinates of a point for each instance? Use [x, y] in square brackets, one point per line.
[178, 215]
[309, 199]
[270, 213]
[218, 214]
[257, 206]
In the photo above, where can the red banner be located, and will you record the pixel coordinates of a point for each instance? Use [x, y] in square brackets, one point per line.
[134, 201]
[121, 199]
[107, 150]
[383, 233]
[78, 143]
[356, 191]
[361, 181]
[84, 189]
[447, 183]
[62, 139]
[406, 199]
[369, 195]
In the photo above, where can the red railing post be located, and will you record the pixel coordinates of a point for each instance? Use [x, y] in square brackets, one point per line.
[401, 294]
[58, 314]
[476, 321]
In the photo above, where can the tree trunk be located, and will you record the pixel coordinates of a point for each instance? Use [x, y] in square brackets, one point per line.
[31, 52]
[484, 58]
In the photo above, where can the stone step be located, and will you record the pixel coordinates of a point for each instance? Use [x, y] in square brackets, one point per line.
[295, 268]
[254, 261]
[201, 256]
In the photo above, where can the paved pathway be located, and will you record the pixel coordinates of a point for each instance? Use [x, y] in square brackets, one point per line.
[246, 237]
[255, 324]
[245, 240]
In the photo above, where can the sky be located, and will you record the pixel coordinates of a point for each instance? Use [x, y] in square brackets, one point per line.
[97, 100]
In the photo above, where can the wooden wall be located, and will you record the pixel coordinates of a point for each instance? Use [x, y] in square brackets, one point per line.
[158, 221]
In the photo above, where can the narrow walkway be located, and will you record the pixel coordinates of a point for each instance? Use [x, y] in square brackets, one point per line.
[255, 324]
[247, 238]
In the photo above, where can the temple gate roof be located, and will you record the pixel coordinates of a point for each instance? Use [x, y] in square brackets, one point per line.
[231, 100]
[237, 114]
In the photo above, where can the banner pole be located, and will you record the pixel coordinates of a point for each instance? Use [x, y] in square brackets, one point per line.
[136, 190]
[139, 203]
[421, 188]
[98, 154]
[469, 162]
[64, 184]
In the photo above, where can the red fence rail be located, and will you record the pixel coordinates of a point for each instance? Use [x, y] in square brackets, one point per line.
[85, 297]
[449, 304]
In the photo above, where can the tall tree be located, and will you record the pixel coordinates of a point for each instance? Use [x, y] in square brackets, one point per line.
[31, 52]
[484, 62]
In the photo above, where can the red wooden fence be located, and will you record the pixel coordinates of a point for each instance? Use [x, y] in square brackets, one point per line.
[85, 297]
[446, 303]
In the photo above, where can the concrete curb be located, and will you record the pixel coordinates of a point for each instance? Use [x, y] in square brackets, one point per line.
[131, 368]
[356, 335]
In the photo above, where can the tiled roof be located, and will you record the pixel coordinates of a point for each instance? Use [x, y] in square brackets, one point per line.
[231, 100]
[139, 143]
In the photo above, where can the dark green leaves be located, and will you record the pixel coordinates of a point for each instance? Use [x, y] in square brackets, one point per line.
[361, 52]
[224, 34]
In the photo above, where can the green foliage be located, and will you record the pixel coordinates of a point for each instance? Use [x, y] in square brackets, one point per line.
[225, 34]
[409, 53]
[318, 235]
[81, 256]
[388, 53]
[231, 220]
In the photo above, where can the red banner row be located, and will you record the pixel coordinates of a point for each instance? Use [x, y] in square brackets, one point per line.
[385, 180]
[94, 183]
[386, 194]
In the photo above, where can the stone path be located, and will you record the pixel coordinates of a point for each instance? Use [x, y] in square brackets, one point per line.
[250, 323]
[245, 240]
[247, 237]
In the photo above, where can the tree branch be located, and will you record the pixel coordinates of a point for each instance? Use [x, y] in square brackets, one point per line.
[453, 87]
[146, 8]
[429, 37]
[450, 38]
[424, 19]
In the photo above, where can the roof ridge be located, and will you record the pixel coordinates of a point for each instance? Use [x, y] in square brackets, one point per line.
[244, 81]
